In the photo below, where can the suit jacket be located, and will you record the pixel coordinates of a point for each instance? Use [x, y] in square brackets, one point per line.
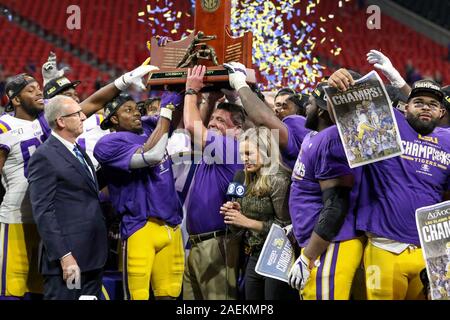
[66, 209]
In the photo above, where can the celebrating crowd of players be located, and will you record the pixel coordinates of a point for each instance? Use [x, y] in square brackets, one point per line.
[166, 176]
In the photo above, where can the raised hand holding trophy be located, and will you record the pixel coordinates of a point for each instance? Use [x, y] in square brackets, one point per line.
[210, 44]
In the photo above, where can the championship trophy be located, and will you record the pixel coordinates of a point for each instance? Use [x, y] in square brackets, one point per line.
[210, 44]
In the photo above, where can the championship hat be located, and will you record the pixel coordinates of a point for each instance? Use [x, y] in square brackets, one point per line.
[111, 108]
[57, 86]
[426, 86]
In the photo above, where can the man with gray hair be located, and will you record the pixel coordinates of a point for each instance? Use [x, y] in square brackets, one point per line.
[61, 176]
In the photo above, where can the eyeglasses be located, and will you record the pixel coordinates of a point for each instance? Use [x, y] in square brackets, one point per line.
[78, 113]
[433, 106]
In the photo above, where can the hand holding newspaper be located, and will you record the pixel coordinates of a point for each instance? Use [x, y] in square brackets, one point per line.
[365, 121]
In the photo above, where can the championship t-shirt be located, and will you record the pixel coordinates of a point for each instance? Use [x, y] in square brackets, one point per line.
[392, 189]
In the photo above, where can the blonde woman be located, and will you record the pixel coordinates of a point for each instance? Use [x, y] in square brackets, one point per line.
[265, 202]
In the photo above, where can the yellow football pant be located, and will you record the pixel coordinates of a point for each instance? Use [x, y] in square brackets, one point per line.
[332, 280]
[153, 254]
[391, 276]
[19, 245]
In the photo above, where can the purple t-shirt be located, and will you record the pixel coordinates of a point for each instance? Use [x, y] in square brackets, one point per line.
[296, 133]
[216, 170]
[392, 189]
[322, 157]
[137, 194]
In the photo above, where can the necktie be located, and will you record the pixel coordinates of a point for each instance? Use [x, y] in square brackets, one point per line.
[82, 161]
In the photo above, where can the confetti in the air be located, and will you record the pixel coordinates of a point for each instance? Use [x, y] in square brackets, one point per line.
[7, 14]
[286, 35]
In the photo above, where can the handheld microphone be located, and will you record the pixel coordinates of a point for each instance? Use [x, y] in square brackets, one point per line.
[236, 188]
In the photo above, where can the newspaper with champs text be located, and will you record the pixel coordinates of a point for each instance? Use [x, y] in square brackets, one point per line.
[365, 121]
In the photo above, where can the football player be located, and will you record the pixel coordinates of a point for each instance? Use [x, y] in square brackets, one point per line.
[391, 191]
[21, 133]
[322, 191]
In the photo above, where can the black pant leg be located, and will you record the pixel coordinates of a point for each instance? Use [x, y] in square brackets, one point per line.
[55, 288]
[279, 290]
[91, 283]
[254, 283]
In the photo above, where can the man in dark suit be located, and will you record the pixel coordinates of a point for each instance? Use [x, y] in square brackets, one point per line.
[66, 208]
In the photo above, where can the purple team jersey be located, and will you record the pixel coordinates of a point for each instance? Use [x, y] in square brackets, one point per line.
[137, 194]
[215, 171]
[296, 133]
[45, 127]
[322, 157]
[392, 189]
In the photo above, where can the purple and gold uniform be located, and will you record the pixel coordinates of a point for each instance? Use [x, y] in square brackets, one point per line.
[19, 239]
[322, 157]
[391, 191]
[296, 133]
[151, 213]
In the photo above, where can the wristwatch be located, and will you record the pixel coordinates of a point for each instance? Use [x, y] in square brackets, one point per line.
[190, 91]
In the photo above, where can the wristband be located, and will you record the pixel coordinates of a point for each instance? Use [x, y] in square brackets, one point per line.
[166, 113]
[191, 91]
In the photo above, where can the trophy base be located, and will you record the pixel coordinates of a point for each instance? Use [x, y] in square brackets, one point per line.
[216, 77]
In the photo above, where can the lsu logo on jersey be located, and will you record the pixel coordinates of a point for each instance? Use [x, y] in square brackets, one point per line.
[434, 140]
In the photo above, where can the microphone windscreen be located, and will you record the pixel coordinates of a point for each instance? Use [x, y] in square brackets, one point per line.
[239, 177]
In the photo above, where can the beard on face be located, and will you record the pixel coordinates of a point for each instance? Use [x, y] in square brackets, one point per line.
[422, 127]
[30, 107]
[312, 120]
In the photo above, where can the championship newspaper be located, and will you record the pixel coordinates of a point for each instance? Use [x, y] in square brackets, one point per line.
[433, 224]
[366, 121]
[277, 255]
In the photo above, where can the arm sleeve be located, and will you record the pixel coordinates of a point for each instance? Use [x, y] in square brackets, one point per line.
[116, 151]
[280, 201]
[42, 186]
[152, 156]
[333, 213]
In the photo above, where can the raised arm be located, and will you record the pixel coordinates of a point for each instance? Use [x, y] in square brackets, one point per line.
[382, 62]
[153, 150]
[191, 115]
[98, 99]
[257, 110]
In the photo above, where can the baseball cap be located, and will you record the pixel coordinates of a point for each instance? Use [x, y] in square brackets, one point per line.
[16, 84]
[320, 95]
[446, 91]
[300, 99]
[57, 86]
[426, 86]
[111, 108]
